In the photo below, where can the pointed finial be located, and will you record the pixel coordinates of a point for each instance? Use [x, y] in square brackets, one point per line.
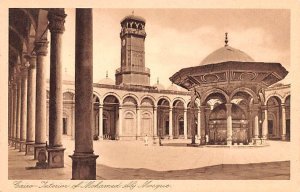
[226, 39]
[106, 74]
[157, 80]
[132, 12]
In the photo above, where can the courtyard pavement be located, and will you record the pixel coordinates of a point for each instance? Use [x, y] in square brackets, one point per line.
[174, 160]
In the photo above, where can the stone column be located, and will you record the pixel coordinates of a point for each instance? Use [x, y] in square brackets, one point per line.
[83, 159]
[120, 121]
[138, 122]
[171, 123]
[265, 124]
[10, 105]
[56, 19]
[155, 138]
[202, 125]
[31, 94]
[199, 124]
[256, 125]
[41, 97]
[185, 122]
[14, 115]
[73, 121]
[155, 122]
[229, 124]
[283, 135]
[23, 123]
[18, 117]
[100, 122]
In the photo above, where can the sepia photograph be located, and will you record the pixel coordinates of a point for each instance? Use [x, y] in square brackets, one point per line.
[139, 98]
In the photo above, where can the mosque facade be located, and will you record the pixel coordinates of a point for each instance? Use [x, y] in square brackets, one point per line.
[129, 108]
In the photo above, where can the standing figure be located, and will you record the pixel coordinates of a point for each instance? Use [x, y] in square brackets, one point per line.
[146, 140]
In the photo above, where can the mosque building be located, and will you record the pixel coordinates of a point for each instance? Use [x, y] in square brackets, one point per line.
[129, 108]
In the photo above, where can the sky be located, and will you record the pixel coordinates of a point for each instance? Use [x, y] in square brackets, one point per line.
[180, 38]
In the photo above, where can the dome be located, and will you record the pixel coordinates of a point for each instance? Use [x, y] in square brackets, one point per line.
[133, 17]
[173, 87]
[226, 53]
[107, 81]
[159, 86]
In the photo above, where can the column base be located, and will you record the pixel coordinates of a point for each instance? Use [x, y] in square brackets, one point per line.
[56, 157]
[22, 146]
[38, 148]
[263, 141]
[29, 148]
[17, 144]
[42, 158]
[9, 141]
[229, 142]
[283, 137]
[256, 141]
[13, 143]
[83, 166]
[170, 136]
[193, 140]
[203, 141]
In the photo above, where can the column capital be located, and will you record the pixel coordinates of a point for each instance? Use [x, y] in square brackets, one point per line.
[282, 104]
[228, 108]
[41, 47]
[100, 105]
[32, 61]
[264, 107]
[56, 19]
[202, 107]
[255, 107]
[17, 69]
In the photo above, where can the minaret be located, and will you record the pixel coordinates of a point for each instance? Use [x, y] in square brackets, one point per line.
[133, 70]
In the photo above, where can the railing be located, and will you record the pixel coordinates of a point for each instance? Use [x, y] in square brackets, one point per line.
[134, 69]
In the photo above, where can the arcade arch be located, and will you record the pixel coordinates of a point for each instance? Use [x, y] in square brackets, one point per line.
[274, 112]
[163, 118]
[111, 106]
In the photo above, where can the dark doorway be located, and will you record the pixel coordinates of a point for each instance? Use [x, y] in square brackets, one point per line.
[288, 129]
[181, 127]
[65, 126]
[270, 127]
[167, 128]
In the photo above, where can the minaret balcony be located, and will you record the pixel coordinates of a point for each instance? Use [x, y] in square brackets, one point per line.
[134, 69]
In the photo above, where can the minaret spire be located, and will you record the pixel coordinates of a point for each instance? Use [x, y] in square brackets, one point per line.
[106, 74]
[226, 39]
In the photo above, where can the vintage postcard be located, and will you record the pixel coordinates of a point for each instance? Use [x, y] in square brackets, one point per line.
[150, 96]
